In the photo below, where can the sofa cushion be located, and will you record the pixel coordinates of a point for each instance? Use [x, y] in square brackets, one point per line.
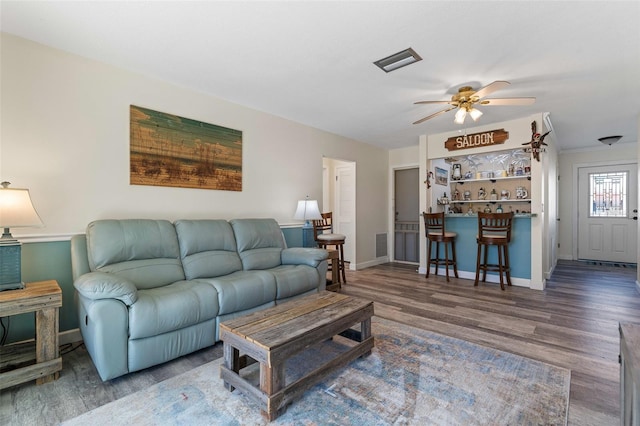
[144, 251]
[207, 248]
[260, 242]
[172, 307]
[292, 280]
[244, 290]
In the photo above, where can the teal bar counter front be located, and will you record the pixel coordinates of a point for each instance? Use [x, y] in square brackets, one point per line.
[466, 226]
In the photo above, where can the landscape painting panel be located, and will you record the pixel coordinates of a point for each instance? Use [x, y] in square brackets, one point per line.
[167, 150]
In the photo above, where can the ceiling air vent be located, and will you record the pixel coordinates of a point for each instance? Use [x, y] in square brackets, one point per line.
[398, 60]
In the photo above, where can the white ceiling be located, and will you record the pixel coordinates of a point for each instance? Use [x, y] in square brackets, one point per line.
[312, 62]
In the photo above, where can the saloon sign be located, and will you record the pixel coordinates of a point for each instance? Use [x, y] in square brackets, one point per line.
[476, 140]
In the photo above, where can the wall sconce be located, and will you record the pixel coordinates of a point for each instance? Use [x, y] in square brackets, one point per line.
[16, 211]
[307, 210]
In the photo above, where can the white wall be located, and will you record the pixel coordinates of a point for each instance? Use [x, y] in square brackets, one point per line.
[567, 196]
[65, 136]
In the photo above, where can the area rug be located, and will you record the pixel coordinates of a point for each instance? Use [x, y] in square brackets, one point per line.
[411, 377]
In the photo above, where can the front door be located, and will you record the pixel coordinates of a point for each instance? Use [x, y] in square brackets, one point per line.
[607, 213]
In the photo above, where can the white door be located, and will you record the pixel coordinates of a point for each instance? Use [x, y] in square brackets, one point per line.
[607, 213]
[344, 214]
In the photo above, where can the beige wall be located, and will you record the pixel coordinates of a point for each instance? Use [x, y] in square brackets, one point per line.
[65, 136]
[567, 196]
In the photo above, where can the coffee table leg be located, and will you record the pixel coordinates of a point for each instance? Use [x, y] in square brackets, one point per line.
[231, 361]
[365, 333]
[271, 381]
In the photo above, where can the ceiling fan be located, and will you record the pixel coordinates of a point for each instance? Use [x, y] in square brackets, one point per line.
[466, 98]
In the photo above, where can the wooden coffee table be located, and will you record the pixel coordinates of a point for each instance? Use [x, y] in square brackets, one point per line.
[274, 335]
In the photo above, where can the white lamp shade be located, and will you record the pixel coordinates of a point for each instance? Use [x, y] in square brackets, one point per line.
[307, 210]
[460, 115]
[475, 114]
[16, 209]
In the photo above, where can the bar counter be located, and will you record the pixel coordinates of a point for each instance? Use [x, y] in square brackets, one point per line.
[466, 226]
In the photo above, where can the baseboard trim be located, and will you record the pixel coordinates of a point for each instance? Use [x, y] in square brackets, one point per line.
[492, 278]
[378, 261]
[69, 336]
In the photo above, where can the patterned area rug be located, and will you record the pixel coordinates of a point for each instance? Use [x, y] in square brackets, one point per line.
[411, 377]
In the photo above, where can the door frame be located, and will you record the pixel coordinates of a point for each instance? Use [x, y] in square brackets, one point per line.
[574, 190]
[330, 194]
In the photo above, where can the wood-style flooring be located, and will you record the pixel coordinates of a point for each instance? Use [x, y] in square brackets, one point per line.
[572, 324]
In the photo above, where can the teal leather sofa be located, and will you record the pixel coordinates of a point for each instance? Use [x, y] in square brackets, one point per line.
[149, 291]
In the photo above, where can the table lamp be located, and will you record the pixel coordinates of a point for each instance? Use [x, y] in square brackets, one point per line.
[16, 211]
[307, 210]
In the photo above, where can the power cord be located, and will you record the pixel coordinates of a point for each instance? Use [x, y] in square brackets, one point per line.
[5, 330]
[70, 347]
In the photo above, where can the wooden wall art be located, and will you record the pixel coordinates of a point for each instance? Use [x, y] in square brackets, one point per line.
[167, 150]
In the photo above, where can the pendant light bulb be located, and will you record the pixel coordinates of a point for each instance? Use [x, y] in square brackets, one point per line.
[475, 114]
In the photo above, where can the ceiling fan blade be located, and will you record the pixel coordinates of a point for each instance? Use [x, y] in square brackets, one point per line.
[431, 102]
[490, 88]
[433, 115]
[508, 101]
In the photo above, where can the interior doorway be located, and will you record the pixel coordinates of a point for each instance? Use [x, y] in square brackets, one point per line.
[607, 213]
[339, 197]
[406, 235]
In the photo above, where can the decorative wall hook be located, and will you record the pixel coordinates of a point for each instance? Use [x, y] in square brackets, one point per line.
[536, 143]
[428, 181]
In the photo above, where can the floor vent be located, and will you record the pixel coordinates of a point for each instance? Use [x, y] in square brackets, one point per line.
[381, 245]
[605, 263]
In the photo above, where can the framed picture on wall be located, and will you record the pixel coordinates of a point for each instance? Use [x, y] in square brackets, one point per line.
[168, 150]
[441, 176]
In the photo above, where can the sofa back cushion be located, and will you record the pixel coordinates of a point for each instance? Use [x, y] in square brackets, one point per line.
[143, 251]
[259, 241]
[207, 248]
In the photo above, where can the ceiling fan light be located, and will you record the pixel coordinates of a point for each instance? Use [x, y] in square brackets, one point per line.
[475, 114]
[460, 116]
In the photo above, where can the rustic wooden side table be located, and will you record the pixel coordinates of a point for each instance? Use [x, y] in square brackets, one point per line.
[16, 360]
[335, 273]
[629, 374]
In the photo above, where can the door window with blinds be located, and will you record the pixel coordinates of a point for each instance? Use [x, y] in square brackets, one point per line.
[608, 194]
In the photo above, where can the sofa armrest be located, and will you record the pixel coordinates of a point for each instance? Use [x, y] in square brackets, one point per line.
[304, 256]
[100, 285]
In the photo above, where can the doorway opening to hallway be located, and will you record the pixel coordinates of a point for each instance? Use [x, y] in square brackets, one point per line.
[339, 197]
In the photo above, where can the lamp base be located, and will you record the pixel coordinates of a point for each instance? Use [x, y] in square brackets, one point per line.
[308, 239]
[10, 265]
[12, 286]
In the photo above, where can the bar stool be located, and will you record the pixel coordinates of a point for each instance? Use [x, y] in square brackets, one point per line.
[435, 233]
[494, 229]
[330, 239]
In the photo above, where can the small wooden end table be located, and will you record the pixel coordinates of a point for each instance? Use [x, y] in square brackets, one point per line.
[44, 298]
[335, 270]
[274, 335]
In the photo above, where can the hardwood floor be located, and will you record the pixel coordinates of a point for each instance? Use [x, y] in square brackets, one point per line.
[572, 324]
